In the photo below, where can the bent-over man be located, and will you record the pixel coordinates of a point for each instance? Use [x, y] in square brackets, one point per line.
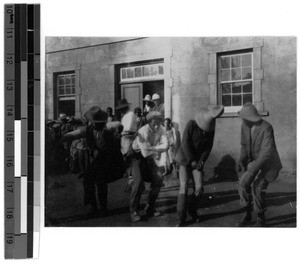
[260, 161]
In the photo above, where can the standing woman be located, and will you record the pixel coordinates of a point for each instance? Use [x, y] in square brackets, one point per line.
[196, 146]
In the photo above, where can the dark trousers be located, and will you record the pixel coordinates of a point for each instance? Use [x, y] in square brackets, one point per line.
[185, 203]
[95, 184]
[144, 170]
[255, 188]
[83, 160]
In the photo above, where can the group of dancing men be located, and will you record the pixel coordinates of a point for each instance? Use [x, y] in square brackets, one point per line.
[143, 146]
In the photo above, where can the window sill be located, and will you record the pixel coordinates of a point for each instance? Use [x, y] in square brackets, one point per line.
[235, 114]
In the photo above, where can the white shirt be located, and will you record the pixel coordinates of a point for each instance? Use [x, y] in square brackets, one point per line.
[129, 123]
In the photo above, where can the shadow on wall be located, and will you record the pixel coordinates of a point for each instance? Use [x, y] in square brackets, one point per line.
[225, 170]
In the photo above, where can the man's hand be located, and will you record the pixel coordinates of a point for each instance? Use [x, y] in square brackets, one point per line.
[240, 167]
[200, 165]
[194, 165]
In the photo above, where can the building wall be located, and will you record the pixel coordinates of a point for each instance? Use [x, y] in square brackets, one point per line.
[187, 82]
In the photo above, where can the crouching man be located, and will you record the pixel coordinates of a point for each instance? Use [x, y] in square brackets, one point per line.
[197, 143]
[260, 162]
[148, 146]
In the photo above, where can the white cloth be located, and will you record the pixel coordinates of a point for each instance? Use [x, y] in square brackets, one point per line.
[129, 127]
[152, 143]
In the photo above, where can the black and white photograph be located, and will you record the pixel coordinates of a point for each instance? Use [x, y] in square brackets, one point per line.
[170, 131]
[163, 131]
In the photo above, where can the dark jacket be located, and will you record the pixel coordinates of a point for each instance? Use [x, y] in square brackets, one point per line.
[196, 144]
[262, 152]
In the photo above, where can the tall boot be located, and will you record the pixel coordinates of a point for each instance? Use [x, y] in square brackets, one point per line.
[260, 221]
[246, 218]
[181, 209]
[193, 203]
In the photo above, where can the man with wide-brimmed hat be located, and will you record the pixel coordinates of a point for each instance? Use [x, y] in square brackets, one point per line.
[148, 146]
[148, 104]
[259, 160]
[106, 161]
[158, 106]
[197, 142]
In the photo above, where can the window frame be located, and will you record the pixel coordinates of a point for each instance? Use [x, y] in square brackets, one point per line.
[65, 97]
[232, 109]
[256, 44]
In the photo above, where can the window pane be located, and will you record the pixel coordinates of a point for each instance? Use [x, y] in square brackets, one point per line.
[138, 72]
[154, 70]
[236, 74]
[73, 79]
[68, 89]
[247, 87]
[225, 62]
[246, 60]
[226, 88]
[235, 61]
[130, 73]
[225, 75]
[247, 73]
[247, 98]
[123, 73]
[68, 79]
[161, 70]
[236, 100]
[146, 71]
[236, 88]
[61, 80]
[61, 91]
[73, 90]
[226, 100]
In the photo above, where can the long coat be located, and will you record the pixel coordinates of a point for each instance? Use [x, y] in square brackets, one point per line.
[260, 149]
[196, 144]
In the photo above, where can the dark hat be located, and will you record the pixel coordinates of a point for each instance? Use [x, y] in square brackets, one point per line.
[50, 122]
[122, 103]
[250, 113]
[137, 109]
[205, 118]
[154, 115]
[96, 115]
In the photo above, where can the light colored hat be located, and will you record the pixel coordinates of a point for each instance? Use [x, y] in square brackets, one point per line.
[205, 119]
[62, 116]
[147, 98]
[96, 115]
[250, 113]
[122, 103]
[154, 115]
[155, 97]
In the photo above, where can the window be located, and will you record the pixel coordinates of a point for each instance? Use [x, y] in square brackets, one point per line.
[66, 93]
[235, 80]
[142, 73]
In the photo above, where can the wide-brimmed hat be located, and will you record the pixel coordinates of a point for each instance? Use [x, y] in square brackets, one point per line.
[154, 115]
[147, 98]
[62, 116]
[50, 122]
[206, 117]
[137, 109]
[250, 113]
[122, 103]
[96, 115]
[155, 97]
